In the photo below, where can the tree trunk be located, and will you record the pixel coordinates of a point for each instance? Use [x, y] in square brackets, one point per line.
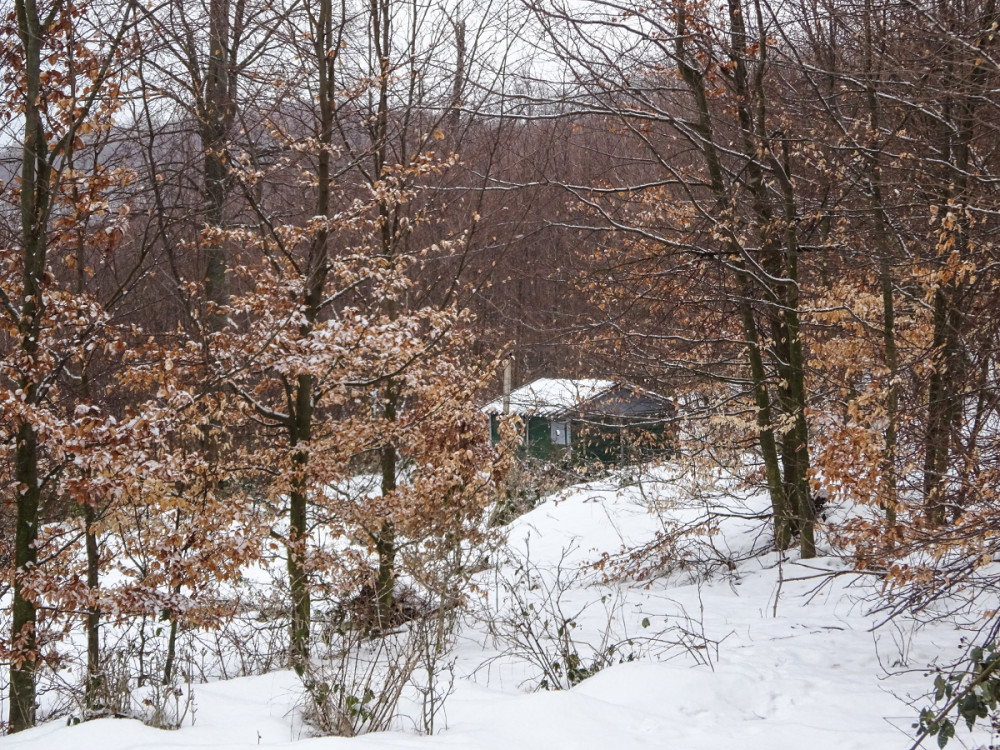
[35, 197]
[882, 244]
[326, 48]
[217, 116]
[748, 323]
[94, 691]
[23, 611]
[780, 255]
[965, 86]
[168, 665]
[385, 541]
[298, 530]
[385, 544]
[780, 508]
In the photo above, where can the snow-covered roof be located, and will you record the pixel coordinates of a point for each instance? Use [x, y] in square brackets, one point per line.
[549, 396]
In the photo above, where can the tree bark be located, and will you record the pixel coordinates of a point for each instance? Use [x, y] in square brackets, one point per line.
[783, 512]
[35, 198]
[385, 543]
[960, 99]
[326, 46]
[218, 111]
[23, 610]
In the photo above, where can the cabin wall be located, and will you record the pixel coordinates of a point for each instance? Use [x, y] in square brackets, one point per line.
[619, 444]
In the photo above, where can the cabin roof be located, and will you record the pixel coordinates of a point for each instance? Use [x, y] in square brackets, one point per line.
[566, 398]
[548, 397]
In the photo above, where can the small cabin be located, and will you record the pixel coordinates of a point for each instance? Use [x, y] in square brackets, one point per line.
[582, 421]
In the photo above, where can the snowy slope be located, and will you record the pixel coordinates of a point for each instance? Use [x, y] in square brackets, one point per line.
[763, 654]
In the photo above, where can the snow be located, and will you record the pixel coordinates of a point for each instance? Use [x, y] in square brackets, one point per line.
[550, 396]
[748, 651]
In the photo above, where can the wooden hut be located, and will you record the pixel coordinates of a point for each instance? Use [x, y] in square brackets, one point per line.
[582, 421]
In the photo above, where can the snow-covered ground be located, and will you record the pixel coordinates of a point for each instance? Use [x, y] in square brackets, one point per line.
[738, 649]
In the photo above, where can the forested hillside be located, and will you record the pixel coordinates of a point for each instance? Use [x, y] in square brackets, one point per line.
[262, 264]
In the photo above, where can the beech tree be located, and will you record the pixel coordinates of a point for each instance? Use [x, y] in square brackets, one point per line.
[329, 320]
[675, 79]
[65, 72]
